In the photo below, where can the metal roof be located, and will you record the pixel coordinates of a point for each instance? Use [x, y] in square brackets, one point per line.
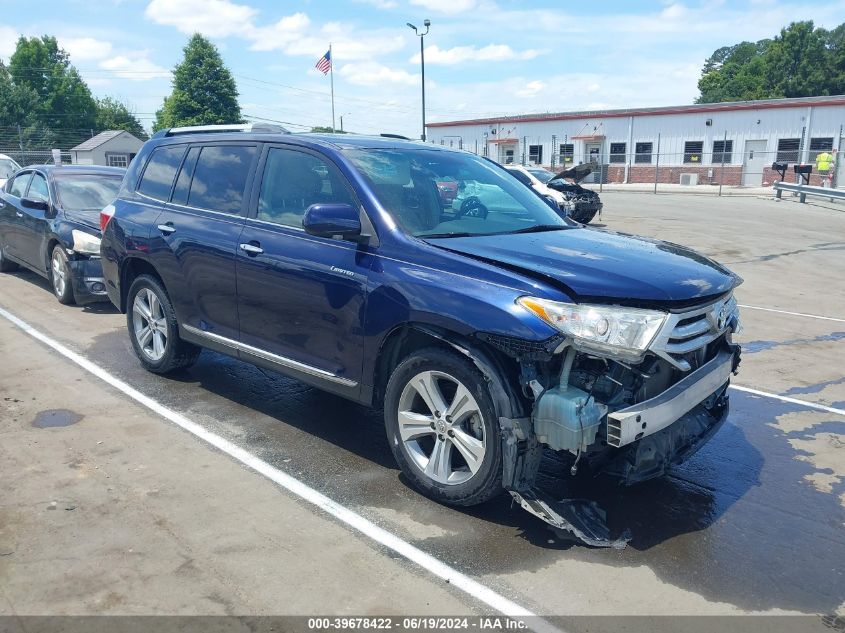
[729, 106]
[96, 141]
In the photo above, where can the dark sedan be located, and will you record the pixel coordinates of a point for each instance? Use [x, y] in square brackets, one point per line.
[49, 223]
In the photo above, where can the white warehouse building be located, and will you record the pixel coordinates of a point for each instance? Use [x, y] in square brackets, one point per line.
[729, 143]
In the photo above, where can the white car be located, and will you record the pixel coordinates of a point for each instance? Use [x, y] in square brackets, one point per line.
[8, 166]
[529, 178]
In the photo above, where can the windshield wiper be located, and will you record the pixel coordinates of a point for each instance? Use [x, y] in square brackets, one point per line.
[539, 228]
[435, 235]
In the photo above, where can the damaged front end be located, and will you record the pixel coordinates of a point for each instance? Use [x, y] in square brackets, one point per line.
[640, 392]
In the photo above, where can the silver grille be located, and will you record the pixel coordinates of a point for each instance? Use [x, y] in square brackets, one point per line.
[686, 332]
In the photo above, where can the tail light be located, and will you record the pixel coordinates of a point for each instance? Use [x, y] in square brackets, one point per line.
[105, 217]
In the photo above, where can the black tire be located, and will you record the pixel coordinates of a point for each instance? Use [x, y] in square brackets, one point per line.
[61, 278]
[177, 354]
[6, 266]
[486, 482]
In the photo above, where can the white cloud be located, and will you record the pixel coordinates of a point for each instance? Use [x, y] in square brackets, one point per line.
[280, 34]
[8, 40]
[381, 4]
[136, 67]
[373, 74]
[448, 6]
[459, 54]
[295, 37]
[531, 89]
[214, 18]
[85, 48]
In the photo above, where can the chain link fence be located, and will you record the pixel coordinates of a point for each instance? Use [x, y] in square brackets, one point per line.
[34, 157]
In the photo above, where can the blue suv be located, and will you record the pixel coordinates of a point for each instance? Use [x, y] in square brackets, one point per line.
[485, 326]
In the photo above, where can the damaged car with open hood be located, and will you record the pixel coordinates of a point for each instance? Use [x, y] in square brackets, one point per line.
[582, 204]
[487, 331]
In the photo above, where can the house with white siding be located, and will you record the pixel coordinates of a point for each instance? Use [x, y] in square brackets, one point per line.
[112, 148]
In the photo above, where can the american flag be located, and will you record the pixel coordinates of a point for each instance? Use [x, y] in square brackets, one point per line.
[324, 64]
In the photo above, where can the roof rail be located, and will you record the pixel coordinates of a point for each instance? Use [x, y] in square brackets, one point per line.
[257, 128]
[399, 136]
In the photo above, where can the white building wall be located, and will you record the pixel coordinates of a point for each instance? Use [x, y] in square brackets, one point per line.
[768, 124]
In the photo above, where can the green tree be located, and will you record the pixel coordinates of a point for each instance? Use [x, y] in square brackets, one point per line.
[17, 103]
[114, 115]
[797, 64]
[734, 73]
[204, 91]
[63, 101]
[802, 61]
[325, 129]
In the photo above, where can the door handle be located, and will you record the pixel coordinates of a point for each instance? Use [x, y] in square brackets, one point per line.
[19, 214]
[251, 249]
[167, 229]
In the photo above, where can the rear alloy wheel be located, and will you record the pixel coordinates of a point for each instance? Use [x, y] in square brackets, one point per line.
[153, 328]
[443, 429]
[60, 276]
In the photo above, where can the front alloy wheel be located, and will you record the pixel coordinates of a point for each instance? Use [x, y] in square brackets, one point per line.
[60, 276]
[441, 427]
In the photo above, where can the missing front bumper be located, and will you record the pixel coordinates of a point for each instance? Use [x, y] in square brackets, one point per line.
[655, 414]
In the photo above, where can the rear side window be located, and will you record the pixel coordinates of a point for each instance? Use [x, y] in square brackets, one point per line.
[220, 178]
[183, 182]
[160, 172]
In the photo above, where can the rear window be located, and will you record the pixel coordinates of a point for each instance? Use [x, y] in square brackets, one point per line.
[158, 176]
[220, 177]
[87, 192]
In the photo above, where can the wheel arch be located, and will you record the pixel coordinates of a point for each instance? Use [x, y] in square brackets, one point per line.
[407, 338]
[52, 241]
[130, 269]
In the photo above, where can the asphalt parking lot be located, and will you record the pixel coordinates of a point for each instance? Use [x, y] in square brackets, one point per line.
[109, 508]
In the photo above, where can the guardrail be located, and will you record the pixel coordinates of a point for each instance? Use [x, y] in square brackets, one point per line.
[806, 190]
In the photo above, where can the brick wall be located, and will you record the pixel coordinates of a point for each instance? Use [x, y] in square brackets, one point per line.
[770, 176]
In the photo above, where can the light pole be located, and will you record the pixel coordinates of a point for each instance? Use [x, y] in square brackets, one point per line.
[426, 24]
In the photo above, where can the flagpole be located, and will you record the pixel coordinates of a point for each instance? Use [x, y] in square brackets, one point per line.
[331, 71]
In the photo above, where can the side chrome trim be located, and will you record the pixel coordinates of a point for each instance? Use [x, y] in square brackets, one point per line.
[270, 357]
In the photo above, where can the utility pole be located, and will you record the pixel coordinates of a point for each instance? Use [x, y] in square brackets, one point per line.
[426, 24]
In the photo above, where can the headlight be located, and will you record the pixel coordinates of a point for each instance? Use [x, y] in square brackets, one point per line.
[85, 242]
[614, 331]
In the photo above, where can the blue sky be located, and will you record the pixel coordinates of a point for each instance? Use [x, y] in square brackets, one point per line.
[483, 57]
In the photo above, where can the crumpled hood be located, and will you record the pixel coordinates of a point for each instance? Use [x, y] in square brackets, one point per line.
[603, 264]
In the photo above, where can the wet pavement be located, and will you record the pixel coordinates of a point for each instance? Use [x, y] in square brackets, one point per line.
[754, 522]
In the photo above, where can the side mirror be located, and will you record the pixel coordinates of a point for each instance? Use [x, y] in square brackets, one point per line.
[333, 219]
[32, 203]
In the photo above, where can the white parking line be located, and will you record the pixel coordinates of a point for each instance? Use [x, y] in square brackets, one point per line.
[803, 403]
[298, 488]
[801, 314]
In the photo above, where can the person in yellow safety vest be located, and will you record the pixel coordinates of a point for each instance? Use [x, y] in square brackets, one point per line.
[824, 163]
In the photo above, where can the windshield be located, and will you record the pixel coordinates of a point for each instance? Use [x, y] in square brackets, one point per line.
[409, 184]
[542, 175]
[7, 167]
[86, 192]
